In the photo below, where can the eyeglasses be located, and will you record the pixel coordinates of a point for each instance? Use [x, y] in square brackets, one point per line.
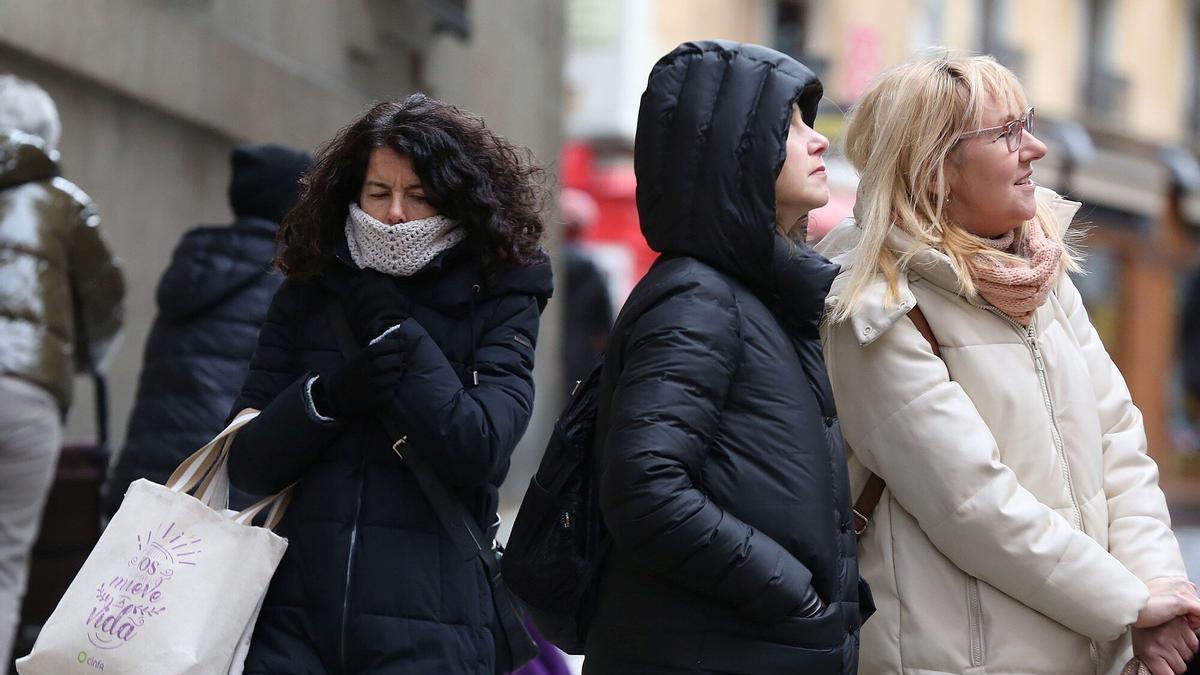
[1011, 132]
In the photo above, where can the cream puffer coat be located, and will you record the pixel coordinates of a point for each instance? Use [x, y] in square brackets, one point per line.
[1022, 515]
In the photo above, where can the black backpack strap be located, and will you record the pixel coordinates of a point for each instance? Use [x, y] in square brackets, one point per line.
[101, 387]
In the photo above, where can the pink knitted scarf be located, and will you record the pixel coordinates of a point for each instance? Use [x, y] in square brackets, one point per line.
[1018, 288]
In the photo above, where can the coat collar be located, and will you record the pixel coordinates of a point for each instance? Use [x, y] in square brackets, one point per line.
[876, 313]
[453, 279]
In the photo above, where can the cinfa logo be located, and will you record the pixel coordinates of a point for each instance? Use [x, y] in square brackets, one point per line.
[92, 661]
[126, 601]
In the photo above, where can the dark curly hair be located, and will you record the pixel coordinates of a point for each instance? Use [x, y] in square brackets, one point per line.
[468, 173]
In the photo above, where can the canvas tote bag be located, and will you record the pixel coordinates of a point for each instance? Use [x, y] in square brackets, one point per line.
[175, 583]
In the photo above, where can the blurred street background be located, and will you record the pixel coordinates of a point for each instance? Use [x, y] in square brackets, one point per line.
[154, 94]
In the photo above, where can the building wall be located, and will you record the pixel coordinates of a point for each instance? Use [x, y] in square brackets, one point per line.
[152, 176]
[678, 21]
[1046, 33]
[1150, 50]
[154, 95]
[858, 38]
[613, 45]
[512, 74]
[610, 53]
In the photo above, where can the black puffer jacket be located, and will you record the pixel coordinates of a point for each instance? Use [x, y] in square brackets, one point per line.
[211, 301]
[723, 480]
[370, 583]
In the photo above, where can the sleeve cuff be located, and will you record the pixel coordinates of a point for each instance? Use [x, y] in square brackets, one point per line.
[384, 334]
[309, 406]
[812, 606]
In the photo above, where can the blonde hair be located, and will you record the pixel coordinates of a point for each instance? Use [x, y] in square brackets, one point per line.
[899, 139]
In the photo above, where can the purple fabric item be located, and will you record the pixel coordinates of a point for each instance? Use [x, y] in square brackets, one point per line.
[549, 661]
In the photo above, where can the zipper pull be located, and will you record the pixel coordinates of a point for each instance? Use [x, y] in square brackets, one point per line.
[1037, 352]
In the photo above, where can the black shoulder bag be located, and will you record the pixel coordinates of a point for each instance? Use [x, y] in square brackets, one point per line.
[514, 646]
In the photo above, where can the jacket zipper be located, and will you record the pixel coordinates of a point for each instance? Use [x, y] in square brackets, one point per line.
[1031, 341]
[976, 621]
[1030, 338]
[362, 466]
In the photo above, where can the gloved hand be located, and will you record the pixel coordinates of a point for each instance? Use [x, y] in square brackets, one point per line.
[366, 379]
[810, 606]
[373, 304]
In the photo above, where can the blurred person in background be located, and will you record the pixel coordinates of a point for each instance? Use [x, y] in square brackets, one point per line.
[425, 225]
[1189, 359]
[587, 313]
[1022, 529]
[61, 295]
[212, 299]
[720, 467]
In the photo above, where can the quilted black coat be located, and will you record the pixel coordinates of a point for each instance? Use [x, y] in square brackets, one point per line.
[370, 583]
[211, 302]
[212, 299]
[722, 475]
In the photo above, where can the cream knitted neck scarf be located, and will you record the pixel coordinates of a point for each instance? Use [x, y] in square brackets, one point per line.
[400, 250]
[1018, 288]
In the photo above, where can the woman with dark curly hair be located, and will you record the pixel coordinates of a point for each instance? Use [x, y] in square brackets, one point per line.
[423, 226]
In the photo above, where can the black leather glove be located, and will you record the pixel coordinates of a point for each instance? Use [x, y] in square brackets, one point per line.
[810, 606]
[366, 379]
[373, 304]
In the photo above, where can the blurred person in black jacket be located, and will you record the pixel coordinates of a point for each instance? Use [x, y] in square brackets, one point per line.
[211, 302]
[588, 312]
[1189, 346]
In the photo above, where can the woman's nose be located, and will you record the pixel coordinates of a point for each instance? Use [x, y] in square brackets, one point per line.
[820, 144]
[395, 212]
[1032, 148]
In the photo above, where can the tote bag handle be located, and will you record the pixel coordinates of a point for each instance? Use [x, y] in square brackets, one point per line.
[204, 475]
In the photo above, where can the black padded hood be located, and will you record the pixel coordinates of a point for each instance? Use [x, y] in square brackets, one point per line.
[711, 140]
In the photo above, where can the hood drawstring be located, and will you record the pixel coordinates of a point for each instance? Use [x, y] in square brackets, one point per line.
[471, 358]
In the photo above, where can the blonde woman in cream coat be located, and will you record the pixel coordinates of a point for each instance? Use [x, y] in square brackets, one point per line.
[1022, 529]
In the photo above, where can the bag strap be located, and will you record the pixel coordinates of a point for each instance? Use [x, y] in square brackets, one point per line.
[869, 498]
[458, 522]
[204, 475]
[918, 317]
[100, 384]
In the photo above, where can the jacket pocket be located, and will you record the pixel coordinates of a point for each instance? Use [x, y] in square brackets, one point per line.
[824, 631]
[975, 621]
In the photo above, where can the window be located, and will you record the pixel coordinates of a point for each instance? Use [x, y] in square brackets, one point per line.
[792, 21]
[927, 23]
[996, 23]
[1104, 90]
[1192, 71]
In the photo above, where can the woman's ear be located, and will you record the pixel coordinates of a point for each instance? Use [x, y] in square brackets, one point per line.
[949, 179]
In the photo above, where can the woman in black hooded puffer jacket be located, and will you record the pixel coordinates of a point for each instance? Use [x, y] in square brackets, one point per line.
[721, 472]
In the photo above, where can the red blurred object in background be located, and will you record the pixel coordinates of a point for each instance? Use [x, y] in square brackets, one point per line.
[615, 239]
